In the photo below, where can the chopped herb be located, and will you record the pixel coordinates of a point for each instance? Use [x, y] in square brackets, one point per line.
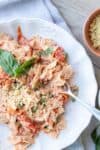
[43, 100]
[34, 109]
[41, 84]
[46, 52]
[20, 105]
[38, 85]
[44, 104]
[46, 126]
[35, 88]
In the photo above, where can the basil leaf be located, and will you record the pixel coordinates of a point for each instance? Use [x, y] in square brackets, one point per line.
[11, 66]
[23, 68]
[8, 62]
[46, 52]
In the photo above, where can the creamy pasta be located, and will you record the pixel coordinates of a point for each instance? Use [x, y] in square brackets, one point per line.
[33, 101]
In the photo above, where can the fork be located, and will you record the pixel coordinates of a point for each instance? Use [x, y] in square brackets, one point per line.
[94, 111]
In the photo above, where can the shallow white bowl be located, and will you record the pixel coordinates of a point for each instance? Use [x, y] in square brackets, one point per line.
[77, 117]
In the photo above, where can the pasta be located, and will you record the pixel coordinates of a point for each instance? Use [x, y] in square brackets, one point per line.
[33, 102]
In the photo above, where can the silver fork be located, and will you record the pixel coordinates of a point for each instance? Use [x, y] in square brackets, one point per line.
[95, 112]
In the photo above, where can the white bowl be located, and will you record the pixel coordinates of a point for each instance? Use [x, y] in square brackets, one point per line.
[77, 117]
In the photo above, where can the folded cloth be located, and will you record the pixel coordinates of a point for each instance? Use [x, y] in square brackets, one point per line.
[43, 9]
[5, 2]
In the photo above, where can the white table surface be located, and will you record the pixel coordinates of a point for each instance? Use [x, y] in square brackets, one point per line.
[75, 13]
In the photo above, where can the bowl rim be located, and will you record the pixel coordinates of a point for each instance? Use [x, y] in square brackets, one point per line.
[86, 24]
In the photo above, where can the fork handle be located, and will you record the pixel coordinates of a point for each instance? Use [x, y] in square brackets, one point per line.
[95, 112]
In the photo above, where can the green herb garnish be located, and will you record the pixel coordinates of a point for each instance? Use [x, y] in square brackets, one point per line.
[45, 127]
[34, 109]
[46, 52]
[8, 62]
[96, 137]
[23, 68]
[38, 85]
[43, 100]
[20, 105]
[11, 66]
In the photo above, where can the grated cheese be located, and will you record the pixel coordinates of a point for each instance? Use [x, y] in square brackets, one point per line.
[95, 32]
